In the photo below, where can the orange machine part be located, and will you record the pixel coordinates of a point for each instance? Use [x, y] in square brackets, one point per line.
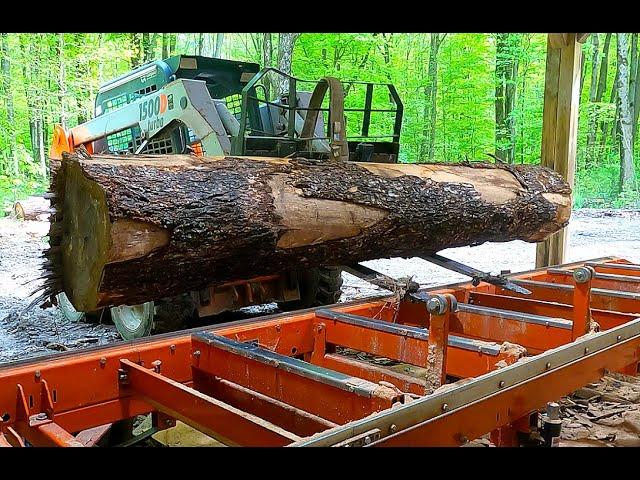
[277, 379]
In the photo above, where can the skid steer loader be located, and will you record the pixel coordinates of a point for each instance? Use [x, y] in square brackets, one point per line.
[200, 105]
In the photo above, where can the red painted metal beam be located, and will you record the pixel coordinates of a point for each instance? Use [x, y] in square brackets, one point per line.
[461, 362]
[208, 415]
[627, 302]
[46, 434]
[371, 372]
[285, 416]
[354, 399]
[605, 318]
[475, 419]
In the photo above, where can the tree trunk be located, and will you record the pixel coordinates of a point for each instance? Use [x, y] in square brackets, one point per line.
[627, 170]
[593, 108]
[62, 84]
[633, 67]
[633, 70]
[610, 129]
[165, 45]
[129, 230]
[173, 38]
[136, 51]
[219, 41]
[604, 66]
[267, 61]
[41, 156]
[583, 67]
[146, 47]
[430, 100]
[636, 103]
[286, 42]
[506, 81]
[200, 43]
[7, 93]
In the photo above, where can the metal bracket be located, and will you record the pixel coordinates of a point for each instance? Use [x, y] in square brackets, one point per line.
[476, 275]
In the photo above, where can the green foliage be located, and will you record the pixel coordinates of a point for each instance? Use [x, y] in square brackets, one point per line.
[54, 75]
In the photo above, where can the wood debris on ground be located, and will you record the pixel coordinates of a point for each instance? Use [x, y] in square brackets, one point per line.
[606, 413]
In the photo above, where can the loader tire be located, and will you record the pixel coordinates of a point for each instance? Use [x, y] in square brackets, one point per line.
[174, 313]
[318, 286]
[162, 316]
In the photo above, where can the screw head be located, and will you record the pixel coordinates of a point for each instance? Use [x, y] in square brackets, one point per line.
[501, 384]
[172, 348]
[156, 364]
[582, 275]
[619, 337]
[196, 353]
[548, 365]
[445, 407]
[586, 350]
[37, 374]
[367, 440]
[393, 427]
[103, 361]
[41, 416]
[437, 305]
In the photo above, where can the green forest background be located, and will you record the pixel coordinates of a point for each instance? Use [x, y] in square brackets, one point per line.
[466, 95]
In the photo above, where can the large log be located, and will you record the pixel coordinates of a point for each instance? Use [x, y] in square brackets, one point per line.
[130, 230]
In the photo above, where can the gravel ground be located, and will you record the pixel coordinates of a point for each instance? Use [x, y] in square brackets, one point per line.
[593, 233]
[37, 331]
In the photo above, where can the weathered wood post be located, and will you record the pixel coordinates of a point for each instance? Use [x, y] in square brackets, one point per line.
[560, 125]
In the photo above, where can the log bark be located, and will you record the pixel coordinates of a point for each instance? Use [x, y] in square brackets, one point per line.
[130, 230]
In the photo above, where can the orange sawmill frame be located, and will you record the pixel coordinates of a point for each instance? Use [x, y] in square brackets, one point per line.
[287, 379]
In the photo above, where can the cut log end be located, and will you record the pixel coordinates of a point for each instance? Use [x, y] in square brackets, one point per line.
[86, 230]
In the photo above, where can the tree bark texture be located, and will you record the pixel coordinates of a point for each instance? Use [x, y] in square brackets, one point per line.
[627, 170]
[130, 230]
[286, 42]
[430, 98]
[592, 107]
[7, 93]
[217, 51]
[506, 81]
[267, 61]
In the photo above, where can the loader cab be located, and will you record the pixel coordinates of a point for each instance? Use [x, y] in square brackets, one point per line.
[372, 115]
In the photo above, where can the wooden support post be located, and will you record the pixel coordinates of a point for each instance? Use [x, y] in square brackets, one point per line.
[560, 127]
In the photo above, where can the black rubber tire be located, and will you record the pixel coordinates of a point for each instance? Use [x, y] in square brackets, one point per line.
[174, 313]
[318, 286]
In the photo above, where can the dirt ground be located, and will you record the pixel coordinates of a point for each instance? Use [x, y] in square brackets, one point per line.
[606, 413]
[37, 331]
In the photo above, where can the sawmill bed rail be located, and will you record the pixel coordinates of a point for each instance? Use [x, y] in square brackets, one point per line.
[459, 361]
